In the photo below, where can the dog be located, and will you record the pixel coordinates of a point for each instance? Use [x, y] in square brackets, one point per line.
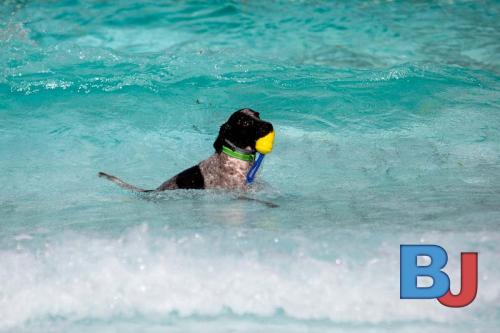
[239, 139]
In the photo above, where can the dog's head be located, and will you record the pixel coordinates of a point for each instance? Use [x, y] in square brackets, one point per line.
[245, 130]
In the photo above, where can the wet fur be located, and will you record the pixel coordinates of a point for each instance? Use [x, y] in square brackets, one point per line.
[219, 171]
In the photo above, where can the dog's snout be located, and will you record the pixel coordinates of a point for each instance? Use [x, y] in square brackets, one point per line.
[264, 129]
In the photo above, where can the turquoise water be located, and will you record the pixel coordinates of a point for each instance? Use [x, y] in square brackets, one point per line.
[388, 132]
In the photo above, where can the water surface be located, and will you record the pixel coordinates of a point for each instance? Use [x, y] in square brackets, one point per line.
[388, 132]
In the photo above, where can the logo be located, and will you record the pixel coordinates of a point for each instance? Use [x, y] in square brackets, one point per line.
[410, 271]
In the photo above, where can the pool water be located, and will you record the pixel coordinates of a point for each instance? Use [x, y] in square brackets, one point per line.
[387, 117]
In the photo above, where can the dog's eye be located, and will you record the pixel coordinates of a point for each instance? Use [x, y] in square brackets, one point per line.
[245, 122]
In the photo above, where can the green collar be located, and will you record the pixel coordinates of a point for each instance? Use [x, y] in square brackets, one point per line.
[236, 154]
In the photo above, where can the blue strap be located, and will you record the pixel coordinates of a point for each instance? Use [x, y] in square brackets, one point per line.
[254, 168]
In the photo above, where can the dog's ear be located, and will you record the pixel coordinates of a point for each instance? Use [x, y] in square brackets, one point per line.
[220, 138]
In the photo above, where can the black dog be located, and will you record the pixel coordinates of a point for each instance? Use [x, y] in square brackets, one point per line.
[239, 139]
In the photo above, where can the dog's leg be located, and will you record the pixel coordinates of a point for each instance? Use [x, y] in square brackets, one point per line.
[267, 203]
[121, 183]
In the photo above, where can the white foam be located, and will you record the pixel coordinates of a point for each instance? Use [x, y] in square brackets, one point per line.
[84, 277]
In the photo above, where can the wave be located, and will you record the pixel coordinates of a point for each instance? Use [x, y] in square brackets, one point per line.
[155, 274]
